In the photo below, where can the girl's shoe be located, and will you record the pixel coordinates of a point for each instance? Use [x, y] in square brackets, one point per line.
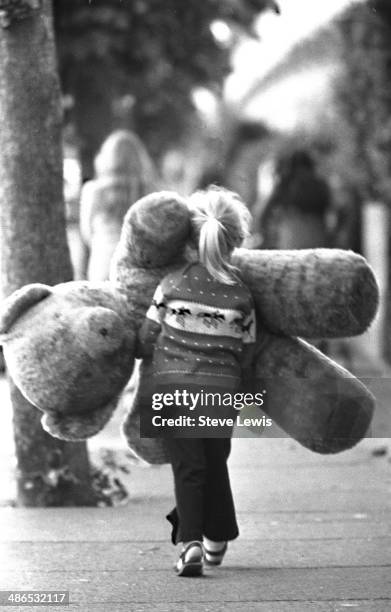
[215, 557]
[190, 562]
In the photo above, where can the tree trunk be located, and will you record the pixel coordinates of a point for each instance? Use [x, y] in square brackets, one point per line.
[32, 229]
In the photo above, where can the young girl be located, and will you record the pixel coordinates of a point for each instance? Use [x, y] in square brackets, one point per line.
[201, 331]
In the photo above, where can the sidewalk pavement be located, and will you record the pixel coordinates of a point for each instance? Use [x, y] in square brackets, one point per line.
[315, 534]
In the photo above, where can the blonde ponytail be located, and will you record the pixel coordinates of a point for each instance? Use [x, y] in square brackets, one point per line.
[220, 222]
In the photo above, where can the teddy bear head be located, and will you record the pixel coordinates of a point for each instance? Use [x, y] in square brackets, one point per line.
[70, 350]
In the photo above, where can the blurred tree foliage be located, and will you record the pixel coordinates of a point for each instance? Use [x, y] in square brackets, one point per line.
[364, 95]
[137, 61]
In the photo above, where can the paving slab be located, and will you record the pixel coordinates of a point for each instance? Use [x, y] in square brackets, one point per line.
[134, 555]
[226, 584]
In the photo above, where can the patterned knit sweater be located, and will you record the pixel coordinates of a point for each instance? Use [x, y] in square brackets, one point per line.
[199, 330]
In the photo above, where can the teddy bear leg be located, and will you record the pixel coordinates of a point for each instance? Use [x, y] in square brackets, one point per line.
[313, 399]
[151, 450]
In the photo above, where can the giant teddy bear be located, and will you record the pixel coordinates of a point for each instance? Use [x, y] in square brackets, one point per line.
[71, 348]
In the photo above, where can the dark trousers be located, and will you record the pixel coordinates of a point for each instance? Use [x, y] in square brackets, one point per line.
[204, 503]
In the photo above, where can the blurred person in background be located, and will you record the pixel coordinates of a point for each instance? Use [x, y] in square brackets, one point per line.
[296, 214]
[124, 172]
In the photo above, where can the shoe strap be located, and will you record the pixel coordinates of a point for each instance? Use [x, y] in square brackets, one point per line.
[194, 544]
[216, 553]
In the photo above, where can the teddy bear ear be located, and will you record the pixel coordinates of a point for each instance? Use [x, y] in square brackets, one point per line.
[19, 301]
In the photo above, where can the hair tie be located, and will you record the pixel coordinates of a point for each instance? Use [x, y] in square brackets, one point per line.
[215, 220]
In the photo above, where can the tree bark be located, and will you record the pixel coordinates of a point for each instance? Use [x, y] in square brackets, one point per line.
[32, 233]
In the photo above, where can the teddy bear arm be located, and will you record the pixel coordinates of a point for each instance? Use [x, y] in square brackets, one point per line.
[310, 293]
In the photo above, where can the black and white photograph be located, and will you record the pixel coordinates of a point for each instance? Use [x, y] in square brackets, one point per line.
[195, 320]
